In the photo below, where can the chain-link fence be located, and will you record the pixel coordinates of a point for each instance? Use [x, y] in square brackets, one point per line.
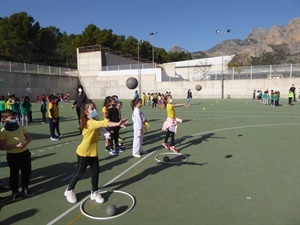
[253, 72]
[232, 73]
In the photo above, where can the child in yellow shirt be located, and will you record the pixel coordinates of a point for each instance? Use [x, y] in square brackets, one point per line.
[87, 151]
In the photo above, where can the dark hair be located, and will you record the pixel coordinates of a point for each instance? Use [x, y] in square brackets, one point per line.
[134, 102]
[106, 101]
[7, 113]
[79, 86]
[51, 97]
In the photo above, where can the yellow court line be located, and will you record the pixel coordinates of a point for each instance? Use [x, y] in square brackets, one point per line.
[78, 216]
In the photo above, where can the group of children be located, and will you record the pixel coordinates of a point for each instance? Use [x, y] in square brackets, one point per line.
[22, 108]
[87, 151]
[15, 138]
[271, 98]
[154, 99]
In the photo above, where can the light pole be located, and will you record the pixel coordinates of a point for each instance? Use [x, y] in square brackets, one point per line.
[153, 34]
[218, 32]
[139, 70]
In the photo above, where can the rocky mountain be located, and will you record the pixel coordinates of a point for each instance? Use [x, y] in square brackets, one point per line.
[278, 39]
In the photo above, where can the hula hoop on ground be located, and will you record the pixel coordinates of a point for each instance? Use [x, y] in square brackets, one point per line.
[108, 217]
[171, 153]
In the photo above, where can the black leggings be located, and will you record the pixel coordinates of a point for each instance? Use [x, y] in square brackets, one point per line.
[114, 137]
[78, 114]
[19, 162]
[172, 134]
[82, 164]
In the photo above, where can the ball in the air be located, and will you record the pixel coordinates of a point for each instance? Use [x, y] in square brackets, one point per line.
[132, 82]
[111, 210]
[166, 159]
[198, 87]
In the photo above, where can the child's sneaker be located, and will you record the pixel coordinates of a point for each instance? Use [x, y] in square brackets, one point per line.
[113, 152]
[121, 149]
[97, 197]
[117, 150]
[28, 192]
[166, 145]
[174, 149]
[54, 138]
[16, 195]
[71, 197]
[136, 155]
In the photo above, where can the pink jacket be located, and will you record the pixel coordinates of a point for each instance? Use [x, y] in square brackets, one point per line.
[171, 124]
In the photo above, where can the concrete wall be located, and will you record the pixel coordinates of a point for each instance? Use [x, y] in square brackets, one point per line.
[22, 84]
[110, 83]
[99, 84]
[102, 86]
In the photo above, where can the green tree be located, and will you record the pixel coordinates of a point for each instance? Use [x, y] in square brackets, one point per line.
[18, 35]
[23, 40]
[47, 46]
[68, 50]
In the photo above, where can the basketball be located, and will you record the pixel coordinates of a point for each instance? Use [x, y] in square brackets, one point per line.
[132, 82]
[198, 87]
[111, 210]
[166, 159]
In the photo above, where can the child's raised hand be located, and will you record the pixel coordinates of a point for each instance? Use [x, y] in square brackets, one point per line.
[123, 122]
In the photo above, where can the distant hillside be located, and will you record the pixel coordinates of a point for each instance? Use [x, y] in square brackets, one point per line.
[278, 39]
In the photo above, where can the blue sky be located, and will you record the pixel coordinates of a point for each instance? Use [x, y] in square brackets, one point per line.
[190, 24]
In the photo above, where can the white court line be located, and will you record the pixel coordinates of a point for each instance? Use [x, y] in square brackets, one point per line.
[42, 150]
[250, 126]
[142, 159]
[68, 177]
[112, 180]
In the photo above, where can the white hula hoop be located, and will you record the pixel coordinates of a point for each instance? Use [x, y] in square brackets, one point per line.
[171, 153]
[108, 217]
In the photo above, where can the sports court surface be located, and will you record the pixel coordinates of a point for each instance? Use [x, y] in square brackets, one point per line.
[242, 168]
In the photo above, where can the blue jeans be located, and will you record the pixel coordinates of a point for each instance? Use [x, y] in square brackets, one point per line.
[54, 126]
